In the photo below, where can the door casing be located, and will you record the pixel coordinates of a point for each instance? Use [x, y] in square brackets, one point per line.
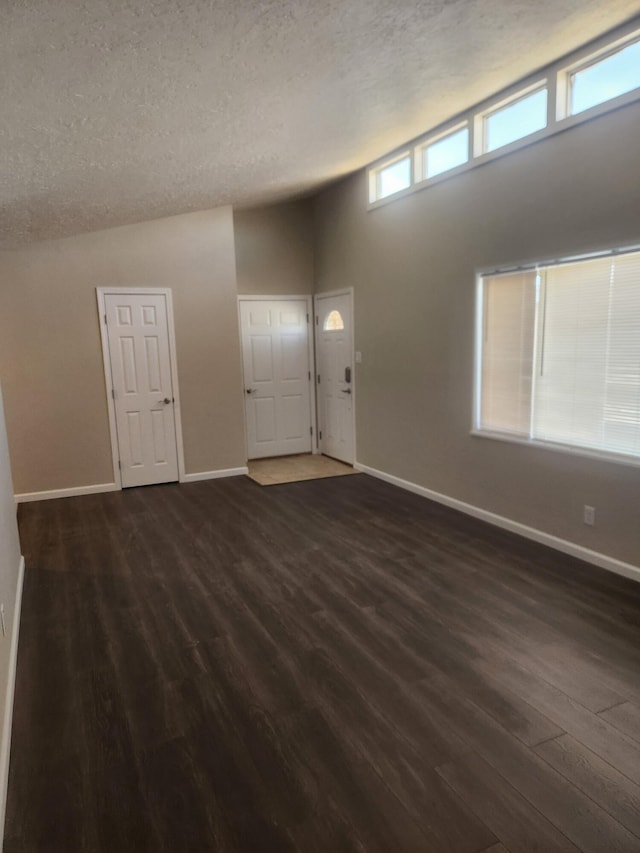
[101, 292]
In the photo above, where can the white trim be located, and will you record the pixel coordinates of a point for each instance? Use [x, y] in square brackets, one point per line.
[313, 388]
[375, 171]
[477, 350]
[101, 292]
[540, 265]
[603, 561]
[100, 488]
[480, 118]
[54, 494]
[583, 59]
[283, 297]
[177, 413]
[108, 385]
[342, 291]
[215, 475]
[419, 151]
[5, 749]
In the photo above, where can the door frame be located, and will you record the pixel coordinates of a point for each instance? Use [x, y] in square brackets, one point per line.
[101, 292]
[256, 297]
[343, 291]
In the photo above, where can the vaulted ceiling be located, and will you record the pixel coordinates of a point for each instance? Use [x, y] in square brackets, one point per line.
[117, 111]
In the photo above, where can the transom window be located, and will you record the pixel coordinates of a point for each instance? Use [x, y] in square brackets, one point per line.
[559, 354]
[605, 79]
[521, 117]
[393, 178]
[444, 153]
[566, 92]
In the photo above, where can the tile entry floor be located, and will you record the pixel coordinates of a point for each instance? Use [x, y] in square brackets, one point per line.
[292, 469]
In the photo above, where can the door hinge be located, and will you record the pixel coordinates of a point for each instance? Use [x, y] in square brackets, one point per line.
[309, 376]
[113, 394]
[316, 319]
[307, 318]
[105, 319]
[320, 434]
[119, 464]
[318, 379]
[311, 430]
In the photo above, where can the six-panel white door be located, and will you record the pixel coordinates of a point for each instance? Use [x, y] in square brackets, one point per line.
[334, 355]
[137, 329]
[275, 356]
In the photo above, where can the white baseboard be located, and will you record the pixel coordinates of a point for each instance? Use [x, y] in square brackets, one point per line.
[597, 559]
[99, 488]
[96, 489]
[214, 475]
[5, 746]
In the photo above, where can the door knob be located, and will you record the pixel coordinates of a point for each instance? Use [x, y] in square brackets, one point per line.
[166, 401]
[250, 390]
[346, 391]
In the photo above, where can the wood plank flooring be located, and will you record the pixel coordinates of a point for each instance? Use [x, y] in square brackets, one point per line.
[333, 665]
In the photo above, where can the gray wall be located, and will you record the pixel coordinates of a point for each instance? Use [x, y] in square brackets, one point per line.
[413, 264]
[50, 352]
[274, 249]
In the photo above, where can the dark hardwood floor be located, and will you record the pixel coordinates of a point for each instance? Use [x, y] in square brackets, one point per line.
[334, 665]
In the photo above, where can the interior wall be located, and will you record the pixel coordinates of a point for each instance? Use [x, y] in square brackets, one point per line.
[274, 249]
[413, 265]
[50, 352]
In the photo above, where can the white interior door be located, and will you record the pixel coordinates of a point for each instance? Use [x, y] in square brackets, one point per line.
[137, 331]
[277, 378]
[334, 356]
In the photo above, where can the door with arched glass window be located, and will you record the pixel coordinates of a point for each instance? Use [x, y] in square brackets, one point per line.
[334, 374]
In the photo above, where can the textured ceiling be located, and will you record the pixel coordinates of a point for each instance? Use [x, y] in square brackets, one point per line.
[117, 111]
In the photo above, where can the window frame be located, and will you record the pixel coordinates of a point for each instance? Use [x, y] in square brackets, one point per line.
[586, 59]
[376, 171]
[480, 120]
[420, 150]
[513, 438]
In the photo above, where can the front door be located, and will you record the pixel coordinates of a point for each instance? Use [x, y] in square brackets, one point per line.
[277, 378]
[137, 331]
[334, 354]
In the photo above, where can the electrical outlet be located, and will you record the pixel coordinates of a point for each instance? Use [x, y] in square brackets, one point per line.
[589, 515]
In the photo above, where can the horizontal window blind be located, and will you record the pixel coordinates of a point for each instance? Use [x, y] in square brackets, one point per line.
[507, 359]
[561, 354]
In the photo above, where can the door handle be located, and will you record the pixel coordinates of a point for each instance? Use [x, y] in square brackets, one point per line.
[166, 401]
[250, 390]
[346, 391]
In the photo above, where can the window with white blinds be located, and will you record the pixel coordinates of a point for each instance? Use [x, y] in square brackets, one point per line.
[560, 354]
